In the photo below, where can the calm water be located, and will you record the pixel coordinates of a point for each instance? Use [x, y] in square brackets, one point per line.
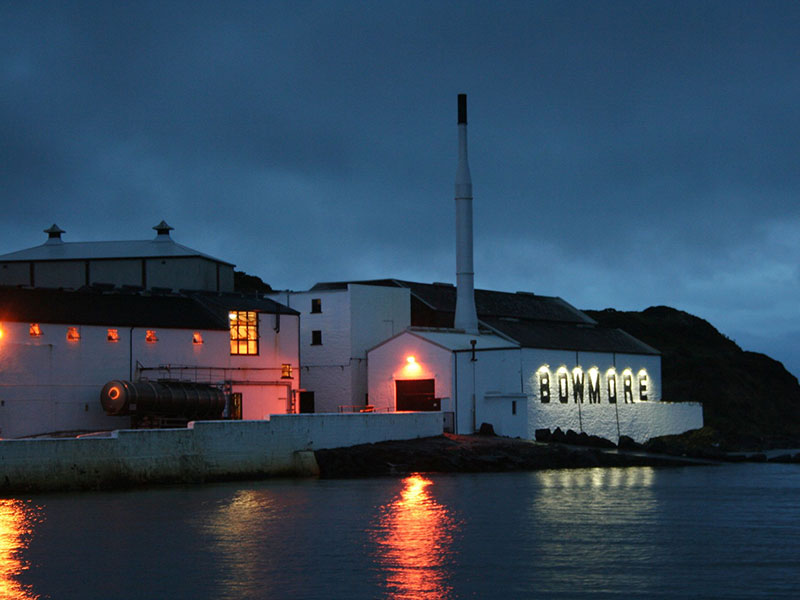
[703, 532]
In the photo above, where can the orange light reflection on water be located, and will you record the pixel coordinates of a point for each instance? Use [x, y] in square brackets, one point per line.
[415, 535]
[16, 521]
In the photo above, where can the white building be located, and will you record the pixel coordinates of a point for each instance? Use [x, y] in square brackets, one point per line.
[339, 322]
[59, 347]
[610, 386]
[519, 362]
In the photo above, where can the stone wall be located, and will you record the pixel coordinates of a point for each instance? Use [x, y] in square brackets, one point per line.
[206, 451]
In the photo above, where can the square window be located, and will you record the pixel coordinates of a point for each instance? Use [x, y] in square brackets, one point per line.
[150, 337]
[113, 335]
[316, 305]
[244, 332]
[35, 330]
[286, 371]
[316, 338]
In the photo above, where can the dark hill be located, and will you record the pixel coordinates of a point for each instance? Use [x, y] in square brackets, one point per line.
[744, 394]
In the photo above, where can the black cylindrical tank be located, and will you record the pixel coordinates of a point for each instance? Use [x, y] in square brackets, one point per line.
[162, 398]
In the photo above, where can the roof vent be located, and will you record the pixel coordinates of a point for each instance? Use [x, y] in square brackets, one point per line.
[54, 234]
[163, 230]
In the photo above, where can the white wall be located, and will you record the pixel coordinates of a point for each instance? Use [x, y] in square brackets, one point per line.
[494, 372]
[640, 421]
[388, 363]
[50, 384]
[207, 450]
[15, 273]
[351, 320]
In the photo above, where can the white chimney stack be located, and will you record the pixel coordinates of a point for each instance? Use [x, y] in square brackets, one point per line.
[466, 315]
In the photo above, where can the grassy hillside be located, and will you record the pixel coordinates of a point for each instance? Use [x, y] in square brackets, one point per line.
[744, 394]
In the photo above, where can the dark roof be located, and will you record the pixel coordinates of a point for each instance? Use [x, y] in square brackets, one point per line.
[531, 320]
[568, 336]
[91, 307]
[441, 297]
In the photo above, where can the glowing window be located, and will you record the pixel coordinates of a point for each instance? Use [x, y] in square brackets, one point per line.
[112, 335]
[286, 371]
[150, 336]
[35, 330]
[73, 335]
[244, 332]
[197, 338]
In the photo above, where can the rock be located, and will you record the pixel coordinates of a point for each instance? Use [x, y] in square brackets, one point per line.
[628, 443]
[486, 429]
[783, 458]
[559, 436]
[572, 438]
[543, 435]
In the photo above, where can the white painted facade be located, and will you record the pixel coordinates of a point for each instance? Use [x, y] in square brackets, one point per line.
[503, 386]
[349, 321]
[48, 383]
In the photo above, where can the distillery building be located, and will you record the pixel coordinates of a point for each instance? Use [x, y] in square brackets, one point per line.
[106, 335]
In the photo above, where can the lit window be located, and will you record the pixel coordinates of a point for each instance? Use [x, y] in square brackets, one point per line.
[316, 305]
[35, 330]
[73, 335]
[244, 332]
[286, 371]
[316, 338]
[150, 336]
[112, 335]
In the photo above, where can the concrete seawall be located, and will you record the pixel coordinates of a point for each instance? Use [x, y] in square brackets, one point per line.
[205, 451]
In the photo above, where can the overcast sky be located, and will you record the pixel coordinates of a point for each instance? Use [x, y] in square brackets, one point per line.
[623, 154]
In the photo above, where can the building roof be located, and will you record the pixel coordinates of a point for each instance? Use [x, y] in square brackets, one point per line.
[566, 336]
[162, 246]
[91, 307]
[532, 320]
[441, 297]
[457, 340]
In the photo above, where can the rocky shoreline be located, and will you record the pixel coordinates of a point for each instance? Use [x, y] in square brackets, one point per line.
[477, 454]
[451, 453]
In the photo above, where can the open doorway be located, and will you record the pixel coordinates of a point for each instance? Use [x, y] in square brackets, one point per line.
[416, 394]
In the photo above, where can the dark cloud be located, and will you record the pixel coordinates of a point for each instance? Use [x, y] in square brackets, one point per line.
[623, 153]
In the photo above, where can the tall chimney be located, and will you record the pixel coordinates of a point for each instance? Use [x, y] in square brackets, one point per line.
[466, 315]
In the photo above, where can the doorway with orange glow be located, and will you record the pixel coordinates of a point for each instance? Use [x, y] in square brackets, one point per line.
[416, 394]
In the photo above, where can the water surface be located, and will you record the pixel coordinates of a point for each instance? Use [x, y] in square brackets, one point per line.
[700, 532]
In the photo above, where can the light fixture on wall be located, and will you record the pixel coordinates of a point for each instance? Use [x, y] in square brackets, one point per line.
[411, 367]
[73, 334]
[34, 330]
[286, 371]
[197, 338]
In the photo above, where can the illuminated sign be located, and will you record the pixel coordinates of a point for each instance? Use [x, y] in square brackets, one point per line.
[588, 386]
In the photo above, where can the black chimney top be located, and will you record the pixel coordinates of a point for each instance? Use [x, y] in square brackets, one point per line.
[462, 108]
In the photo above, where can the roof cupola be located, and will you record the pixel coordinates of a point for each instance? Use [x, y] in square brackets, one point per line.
[163, 230]
[54, 234]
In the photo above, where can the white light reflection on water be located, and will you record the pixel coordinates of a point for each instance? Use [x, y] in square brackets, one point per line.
[17, 519]
[414, 537]
[594, 529]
